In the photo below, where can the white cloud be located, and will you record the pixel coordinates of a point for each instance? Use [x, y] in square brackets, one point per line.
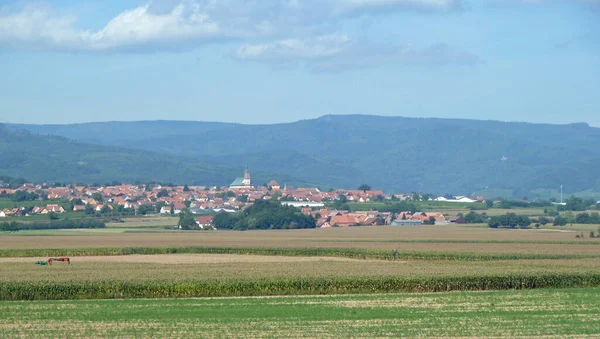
[40, 28]
[294, 49]
[160, 25]
[541, 2]
[338, 52]
[370, 6]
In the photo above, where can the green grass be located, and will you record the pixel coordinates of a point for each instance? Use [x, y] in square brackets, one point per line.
[504, 314]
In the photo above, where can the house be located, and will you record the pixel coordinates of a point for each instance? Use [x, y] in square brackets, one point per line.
[274, 185]
[55, 208]
[205, 221]
[38, 210]
[343, 220]
[2, 214]
[78, 208]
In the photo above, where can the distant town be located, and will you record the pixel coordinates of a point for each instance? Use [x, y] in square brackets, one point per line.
[328, 208]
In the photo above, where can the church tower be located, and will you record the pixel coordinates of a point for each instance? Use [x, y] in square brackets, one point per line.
[247, 180]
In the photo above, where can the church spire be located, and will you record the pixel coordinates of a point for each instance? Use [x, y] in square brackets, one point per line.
[247, 179]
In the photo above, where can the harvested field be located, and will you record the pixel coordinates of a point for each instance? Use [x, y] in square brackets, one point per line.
[187, 259]
[421, 238]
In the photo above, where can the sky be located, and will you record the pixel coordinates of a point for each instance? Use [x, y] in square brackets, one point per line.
[272, 61]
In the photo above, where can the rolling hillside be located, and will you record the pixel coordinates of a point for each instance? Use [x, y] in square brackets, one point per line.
[53, 158]
[393, 153]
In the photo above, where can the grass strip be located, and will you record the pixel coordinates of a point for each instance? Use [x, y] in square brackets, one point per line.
[311, 286]
[355, 253]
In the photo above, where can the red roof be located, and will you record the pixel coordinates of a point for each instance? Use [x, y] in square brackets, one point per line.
[205, 219]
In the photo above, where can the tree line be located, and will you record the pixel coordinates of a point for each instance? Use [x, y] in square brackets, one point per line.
[14, 226]
[265, 214]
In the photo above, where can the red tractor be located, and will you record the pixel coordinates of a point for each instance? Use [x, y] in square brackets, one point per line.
[67, 260]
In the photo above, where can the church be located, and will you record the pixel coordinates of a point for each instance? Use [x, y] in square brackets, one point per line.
[245, 182]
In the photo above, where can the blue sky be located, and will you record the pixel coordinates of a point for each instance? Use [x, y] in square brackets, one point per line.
[269, 61]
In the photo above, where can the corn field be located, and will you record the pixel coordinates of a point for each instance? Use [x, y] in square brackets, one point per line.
[314, 286]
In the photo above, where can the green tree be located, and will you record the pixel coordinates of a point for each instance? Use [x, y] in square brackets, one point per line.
[187, 220]
[364, 187]
[582, 218]
[98, 197]
[560, 221]
[474, 218]
[186, 188]
[89, 209]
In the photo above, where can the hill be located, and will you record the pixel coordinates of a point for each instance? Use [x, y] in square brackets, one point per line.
[393, 153]
[45, 158]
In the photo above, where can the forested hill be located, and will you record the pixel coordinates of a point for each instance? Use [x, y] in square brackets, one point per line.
[392, 153]
[43, 158]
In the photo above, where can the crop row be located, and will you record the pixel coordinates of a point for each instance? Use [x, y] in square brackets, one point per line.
[355, 253]
[310, 286]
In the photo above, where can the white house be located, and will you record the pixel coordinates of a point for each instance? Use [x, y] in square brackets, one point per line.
[2, 214]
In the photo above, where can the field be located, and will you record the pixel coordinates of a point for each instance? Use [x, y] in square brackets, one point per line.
[338, 281]
[509, 314]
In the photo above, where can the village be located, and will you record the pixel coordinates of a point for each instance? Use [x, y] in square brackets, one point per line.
[326, 207]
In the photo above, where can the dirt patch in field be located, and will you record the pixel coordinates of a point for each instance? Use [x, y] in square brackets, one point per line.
[187, 259]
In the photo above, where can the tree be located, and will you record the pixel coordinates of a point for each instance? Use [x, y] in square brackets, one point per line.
[474, 218]
[89, 209]
[543, 220]
[162, 193]
[560, 221]
[582, 218]
[52, 216]
[186, 188]
[172, 208]
[98, 197]
[364, 188]
[430, 221]
[187, 220]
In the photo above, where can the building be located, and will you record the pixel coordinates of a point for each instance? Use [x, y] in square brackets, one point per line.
[245, 182]
[205, 221]
[407, 222]
[274, 185]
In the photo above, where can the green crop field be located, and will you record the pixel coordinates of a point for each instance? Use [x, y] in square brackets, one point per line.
[503, 314]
